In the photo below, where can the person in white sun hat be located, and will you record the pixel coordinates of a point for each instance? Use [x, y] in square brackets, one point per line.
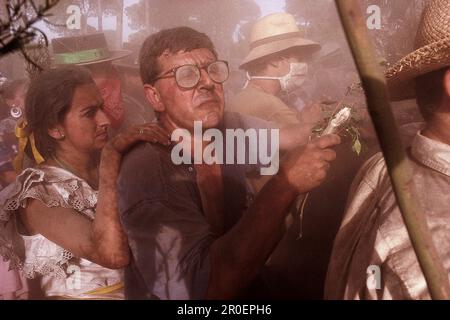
[277, 63]
[373, 232]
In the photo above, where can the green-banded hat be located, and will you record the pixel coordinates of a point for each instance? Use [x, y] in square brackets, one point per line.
[84, 50]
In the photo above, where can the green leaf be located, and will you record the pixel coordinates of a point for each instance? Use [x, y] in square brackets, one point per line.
[357, 147]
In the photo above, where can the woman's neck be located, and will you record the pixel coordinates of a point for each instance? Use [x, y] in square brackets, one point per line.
[83, 165]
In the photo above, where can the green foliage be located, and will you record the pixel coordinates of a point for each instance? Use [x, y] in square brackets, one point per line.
[350, 128]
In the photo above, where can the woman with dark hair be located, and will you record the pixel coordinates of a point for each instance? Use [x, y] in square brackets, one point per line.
[62, 214]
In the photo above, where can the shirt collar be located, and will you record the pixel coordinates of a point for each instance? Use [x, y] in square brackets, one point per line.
[432, 153]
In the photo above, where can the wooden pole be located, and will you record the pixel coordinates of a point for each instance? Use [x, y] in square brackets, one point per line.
[397, 163]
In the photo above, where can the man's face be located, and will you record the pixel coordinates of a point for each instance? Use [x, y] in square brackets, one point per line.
[180, 107]
[107, 80]
[284, 63]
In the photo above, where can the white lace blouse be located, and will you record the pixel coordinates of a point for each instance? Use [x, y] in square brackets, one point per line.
[62, 274]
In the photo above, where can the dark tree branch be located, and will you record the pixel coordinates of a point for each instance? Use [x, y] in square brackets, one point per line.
[18, 30]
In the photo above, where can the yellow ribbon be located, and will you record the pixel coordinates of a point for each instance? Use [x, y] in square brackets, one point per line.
[115, 288]
[108, 289]
[23, 135]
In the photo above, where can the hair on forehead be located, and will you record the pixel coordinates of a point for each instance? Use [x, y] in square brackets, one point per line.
[169, 41]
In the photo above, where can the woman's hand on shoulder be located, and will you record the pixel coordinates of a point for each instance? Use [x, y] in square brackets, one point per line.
[149, 132]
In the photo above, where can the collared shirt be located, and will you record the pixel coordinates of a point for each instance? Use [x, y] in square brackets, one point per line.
[373, 233]
[253, 101]
[161, 211]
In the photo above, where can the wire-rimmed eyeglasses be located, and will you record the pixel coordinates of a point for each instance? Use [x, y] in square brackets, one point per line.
[188, 76]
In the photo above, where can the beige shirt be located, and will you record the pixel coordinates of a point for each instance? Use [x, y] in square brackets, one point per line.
[373, 233]
[253, 101]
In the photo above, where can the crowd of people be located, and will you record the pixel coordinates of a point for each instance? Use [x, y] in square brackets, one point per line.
[93, 206]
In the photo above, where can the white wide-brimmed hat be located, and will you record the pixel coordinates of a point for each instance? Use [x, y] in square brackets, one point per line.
[274, 33]
[432, 51]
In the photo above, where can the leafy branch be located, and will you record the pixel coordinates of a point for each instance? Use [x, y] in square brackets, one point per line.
[350, 127]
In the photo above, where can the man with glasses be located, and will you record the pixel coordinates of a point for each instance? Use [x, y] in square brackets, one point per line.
[192, 229]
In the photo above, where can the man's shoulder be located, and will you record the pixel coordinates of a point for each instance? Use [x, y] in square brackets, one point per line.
[369, 184]
[141, 154]
[373, 172]
[253, 101]
[236, 120]
[263, 98]
[250, 92]
[141, 174]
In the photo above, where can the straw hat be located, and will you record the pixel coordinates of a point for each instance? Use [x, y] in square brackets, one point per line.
[84, 50]
[275, 33]
[432, 51]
